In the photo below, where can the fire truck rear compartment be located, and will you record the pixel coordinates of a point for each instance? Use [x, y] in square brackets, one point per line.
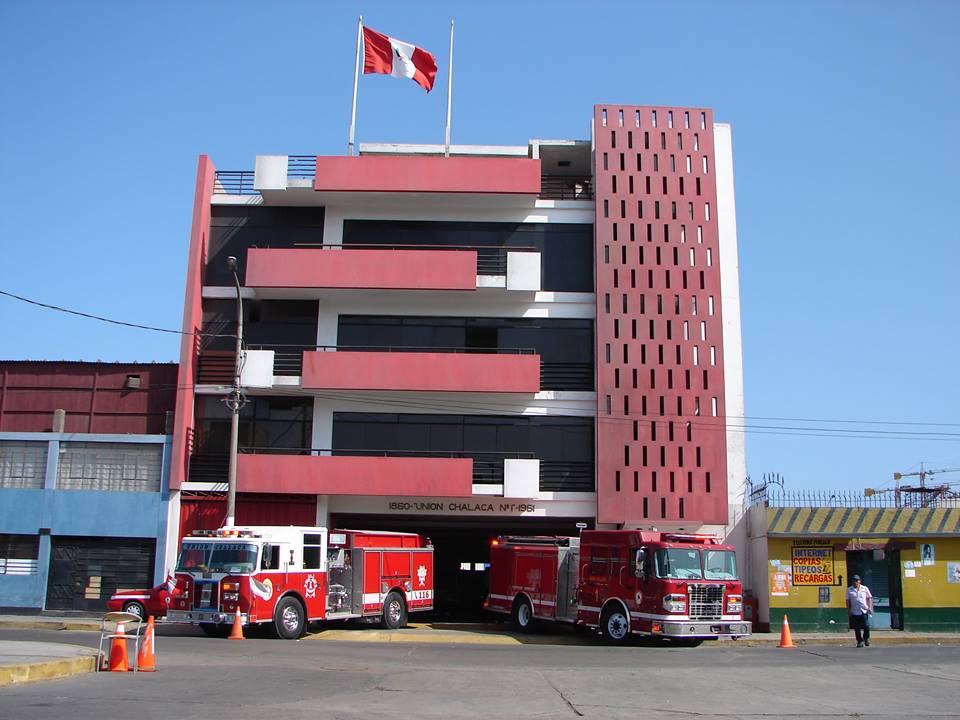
[461, 552]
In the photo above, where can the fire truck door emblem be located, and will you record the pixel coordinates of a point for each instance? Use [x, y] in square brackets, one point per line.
[310, 586]
[422, 575]
[263, 589]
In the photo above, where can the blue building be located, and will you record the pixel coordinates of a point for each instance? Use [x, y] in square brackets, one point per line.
[85, 507]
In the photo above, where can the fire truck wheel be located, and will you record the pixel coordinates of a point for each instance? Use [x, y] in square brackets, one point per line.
[615, 626]
[394, 612]
[523, 615]
[288, 618]
[135, 608]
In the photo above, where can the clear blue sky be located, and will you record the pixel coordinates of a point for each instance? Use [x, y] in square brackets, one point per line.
[844, 117]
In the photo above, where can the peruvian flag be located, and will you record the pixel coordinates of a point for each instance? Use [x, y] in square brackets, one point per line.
[389, 56]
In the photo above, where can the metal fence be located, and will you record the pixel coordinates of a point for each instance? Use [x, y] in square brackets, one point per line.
[233, 182]
[302, 166]
[240, 182]
[852, 499]
[559, 187]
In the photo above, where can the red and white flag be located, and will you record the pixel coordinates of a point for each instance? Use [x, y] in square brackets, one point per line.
[389, 56]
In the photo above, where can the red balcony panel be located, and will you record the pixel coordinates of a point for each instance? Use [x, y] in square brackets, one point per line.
[421, 371]
[364, 269]
[520, 176]
[351, 475]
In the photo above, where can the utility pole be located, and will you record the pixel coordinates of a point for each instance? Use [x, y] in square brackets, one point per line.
[235, 401]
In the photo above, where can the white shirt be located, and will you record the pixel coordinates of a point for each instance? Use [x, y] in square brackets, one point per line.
[857, 598]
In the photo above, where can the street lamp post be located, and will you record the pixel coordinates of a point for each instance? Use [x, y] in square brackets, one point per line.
[235, 401]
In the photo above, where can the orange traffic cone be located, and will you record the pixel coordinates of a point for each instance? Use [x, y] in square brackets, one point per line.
[786, 641]
[146, 658]
[118, 652]
[237, 632]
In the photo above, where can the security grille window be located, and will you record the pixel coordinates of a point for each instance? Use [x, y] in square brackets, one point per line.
[22, 464]
[123, 467]
[18, 554]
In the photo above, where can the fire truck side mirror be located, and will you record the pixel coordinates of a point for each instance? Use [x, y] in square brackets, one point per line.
[640, 567]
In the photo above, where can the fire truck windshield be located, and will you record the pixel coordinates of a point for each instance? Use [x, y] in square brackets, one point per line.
[678, 564]
[719, 565]
[218, 557]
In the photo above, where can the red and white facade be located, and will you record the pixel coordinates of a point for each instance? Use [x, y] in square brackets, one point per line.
[390, 292]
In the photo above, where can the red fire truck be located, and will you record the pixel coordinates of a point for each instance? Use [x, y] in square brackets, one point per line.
[672, 585]
[288, 576]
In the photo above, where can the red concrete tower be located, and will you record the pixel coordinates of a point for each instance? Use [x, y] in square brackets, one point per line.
[661, 435]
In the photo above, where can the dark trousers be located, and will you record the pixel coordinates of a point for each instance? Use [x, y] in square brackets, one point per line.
[860, 627]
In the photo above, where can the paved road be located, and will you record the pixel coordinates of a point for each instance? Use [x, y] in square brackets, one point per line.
[262, 678]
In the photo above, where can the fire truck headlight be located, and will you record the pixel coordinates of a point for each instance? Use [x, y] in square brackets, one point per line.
[231, 596]
[675, 603]
[734, 603]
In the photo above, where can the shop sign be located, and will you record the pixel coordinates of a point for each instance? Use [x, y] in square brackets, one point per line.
[813, 565]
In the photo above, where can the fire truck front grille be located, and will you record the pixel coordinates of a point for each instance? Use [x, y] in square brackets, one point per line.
[204, 595]
[706, 602]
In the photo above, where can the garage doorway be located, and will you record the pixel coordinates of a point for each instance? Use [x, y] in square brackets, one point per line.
[461, 552]
[85, 572]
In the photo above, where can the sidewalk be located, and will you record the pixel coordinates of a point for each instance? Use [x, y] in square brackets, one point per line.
[22, 662]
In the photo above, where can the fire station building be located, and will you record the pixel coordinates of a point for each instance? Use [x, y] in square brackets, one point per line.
[503, 340]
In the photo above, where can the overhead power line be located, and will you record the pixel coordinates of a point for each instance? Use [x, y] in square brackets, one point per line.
[91, 316]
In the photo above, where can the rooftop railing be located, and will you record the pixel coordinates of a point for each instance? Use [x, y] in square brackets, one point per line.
[561, 187]
[240, 182]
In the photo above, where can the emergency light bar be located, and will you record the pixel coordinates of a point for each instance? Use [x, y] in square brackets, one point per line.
[534, 540]
[225, 532]
[691, 537]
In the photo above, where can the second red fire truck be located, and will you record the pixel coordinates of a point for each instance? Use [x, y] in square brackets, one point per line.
[289, 576]
[622, 582]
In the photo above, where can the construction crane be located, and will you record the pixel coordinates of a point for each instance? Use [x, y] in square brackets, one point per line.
[921, 495]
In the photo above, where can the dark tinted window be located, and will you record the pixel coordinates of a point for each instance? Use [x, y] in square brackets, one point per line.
[234, 228]
[565, 346]
[566, 249]
[265, 322]
[274, 423]
[555, 438]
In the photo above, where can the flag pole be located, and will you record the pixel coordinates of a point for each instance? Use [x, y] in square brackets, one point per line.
[356, 78]
[446, 145]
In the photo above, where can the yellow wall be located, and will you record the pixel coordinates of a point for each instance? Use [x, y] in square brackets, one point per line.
[930, 587]
[807, 596]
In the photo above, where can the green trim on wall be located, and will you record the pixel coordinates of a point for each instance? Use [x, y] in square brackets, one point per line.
[810, 619]
[931, 619]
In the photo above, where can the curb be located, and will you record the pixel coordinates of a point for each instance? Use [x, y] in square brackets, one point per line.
[52, 670]
[841, 641]
[50, 625]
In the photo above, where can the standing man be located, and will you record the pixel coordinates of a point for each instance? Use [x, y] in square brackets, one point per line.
[860, 608]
